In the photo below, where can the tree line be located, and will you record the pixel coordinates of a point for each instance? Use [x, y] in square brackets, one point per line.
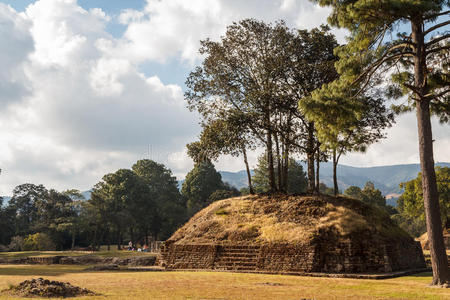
[138, 204]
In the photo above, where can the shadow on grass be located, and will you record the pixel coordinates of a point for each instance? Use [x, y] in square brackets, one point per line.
[423, 274]
[39, 270]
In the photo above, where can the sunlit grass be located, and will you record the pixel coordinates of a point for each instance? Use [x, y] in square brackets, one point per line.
[217, 285]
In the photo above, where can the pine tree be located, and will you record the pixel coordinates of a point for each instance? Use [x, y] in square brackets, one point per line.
[419, 64]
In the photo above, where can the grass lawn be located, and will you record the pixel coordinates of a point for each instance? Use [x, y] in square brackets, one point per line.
[216, 285]
[105, 253]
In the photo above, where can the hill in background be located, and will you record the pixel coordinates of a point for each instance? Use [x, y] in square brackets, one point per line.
[385, 178]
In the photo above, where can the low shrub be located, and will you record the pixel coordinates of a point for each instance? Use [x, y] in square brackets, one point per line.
[16, 244]
[38, 242]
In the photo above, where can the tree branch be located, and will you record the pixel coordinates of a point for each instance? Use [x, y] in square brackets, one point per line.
[437, 40]
[437, 15]
[436, 27]
[431, 96]
[437, 49]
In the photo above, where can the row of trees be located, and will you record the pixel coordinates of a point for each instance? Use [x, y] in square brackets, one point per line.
[136, 204]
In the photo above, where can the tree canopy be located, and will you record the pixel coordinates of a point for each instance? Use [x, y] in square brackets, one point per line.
[256, 74]
[410, 203]
[200, 183]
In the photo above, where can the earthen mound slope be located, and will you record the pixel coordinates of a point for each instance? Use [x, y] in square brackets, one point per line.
[292, 234]
[423, 239]
[48, 289]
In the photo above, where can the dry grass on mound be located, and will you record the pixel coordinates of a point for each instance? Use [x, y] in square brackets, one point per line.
[281, 219]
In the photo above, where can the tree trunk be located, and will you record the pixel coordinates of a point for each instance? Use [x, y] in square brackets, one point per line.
[272, 187]
[286, 169]
[119, 239]
[310, 159]
[317, 171]
[439, 263]
[73, 240]
[277, 148]
[249, 175]
[335, 182]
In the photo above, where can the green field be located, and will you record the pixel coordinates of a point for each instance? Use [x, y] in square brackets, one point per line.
[217, 285]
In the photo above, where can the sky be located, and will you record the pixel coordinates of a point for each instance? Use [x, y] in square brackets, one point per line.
[91, 86]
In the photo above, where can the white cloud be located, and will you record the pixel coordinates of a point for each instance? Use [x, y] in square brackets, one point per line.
[401, 145]
[86, 114]
[16, 45]
[75, 106]
[173, 29]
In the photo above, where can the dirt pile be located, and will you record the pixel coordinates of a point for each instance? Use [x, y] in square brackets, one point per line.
[48, 289]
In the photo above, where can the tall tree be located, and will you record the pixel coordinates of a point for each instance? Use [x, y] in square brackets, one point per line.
[240, 74]
[340, 132]
[166, 209]
[24, 203]
[311, 66]
[118, 198]
[418, 62]
[259, 71]
[200, 183]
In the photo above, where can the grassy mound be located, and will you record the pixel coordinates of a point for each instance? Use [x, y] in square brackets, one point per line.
[263, 219]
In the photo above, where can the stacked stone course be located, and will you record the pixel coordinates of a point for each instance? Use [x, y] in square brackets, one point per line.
[346, 256]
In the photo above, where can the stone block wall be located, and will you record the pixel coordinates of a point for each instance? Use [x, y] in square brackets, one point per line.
[189, 256]
[322, 255]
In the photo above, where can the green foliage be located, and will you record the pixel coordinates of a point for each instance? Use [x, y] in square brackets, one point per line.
[167, 209]
[369, 194]
[229, 192]
[376, 47]
[354, 192]
[119, 200]
[324, 189]
[296, 176]
[38, 242]
[252, 79]
[411, 205]
[16, 244]
[200, 183]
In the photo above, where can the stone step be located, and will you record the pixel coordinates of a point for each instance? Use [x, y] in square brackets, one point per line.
[237, 268]
[222, 254]
[232, 261]
[235, 258]
[243, 248]
[235, 264]
[240, 252]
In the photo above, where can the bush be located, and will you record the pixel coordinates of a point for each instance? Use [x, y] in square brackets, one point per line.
[3, 248]
[16, 243]
[38, 242]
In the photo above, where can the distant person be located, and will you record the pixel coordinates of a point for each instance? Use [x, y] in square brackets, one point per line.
[145, 248]
[130, 246]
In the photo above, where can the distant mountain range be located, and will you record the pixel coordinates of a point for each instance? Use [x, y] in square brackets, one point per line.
[385, 178]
